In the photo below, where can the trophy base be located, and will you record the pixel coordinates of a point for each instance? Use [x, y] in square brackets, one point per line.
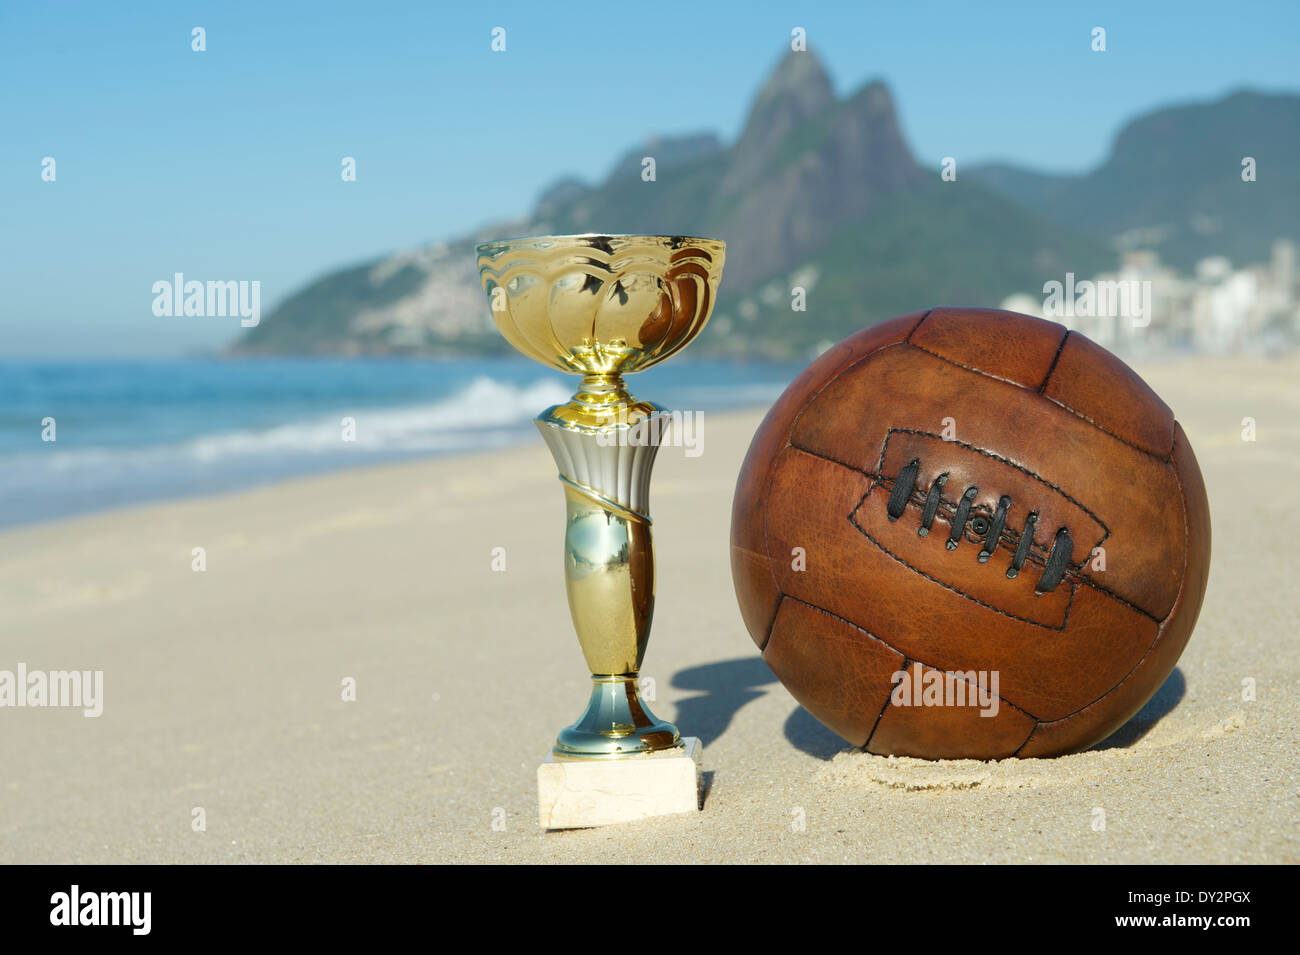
[616, 724]
[582, 794]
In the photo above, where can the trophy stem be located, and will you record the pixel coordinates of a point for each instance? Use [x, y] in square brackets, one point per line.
[609, 574]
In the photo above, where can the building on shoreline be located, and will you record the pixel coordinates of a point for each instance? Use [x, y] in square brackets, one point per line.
[1146, 306]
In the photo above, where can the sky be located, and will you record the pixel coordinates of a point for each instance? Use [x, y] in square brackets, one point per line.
[225, 164]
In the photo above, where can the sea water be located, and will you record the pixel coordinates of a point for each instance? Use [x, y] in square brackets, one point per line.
[127, 432]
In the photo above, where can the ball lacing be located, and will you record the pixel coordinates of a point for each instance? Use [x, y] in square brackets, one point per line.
[1058, 558]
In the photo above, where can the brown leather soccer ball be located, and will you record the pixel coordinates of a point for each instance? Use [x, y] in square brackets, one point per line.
[970, 533]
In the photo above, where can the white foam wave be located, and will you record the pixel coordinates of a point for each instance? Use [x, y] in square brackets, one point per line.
[486, 413]
[454, 422]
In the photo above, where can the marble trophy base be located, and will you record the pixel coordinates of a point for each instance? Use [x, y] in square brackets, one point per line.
[583, 793]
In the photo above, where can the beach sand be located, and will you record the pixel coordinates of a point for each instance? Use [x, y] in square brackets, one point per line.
[222, 689]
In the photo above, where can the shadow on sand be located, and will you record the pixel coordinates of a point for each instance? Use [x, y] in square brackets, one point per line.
[727, 686]
[1156, 708]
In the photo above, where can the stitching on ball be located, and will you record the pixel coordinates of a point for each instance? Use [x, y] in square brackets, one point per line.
[1065, 622]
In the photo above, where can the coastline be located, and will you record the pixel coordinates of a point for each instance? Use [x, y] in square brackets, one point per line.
[222, 687]
[82, 437]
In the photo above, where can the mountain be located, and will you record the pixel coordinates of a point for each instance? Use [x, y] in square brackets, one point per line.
[823, 193]
[1173, 182]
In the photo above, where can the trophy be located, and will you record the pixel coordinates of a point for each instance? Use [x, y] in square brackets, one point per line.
[602, 306]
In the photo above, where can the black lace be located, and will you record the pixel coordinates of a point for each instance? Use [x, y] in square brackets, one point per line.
[1058, 558]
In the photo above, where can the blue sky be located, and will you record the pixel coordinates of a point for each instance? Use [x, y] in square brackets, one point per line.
[225, 164]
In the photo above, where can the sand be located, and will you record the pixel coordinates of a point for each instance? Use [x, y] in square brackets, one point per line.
[223, 688]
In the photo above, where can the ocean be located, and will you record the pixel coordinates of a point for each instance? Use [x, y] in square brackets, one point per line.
[127, 432]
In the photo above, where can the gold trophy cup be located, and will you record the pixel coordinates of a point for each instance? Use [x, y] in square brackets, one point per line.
[602, 306]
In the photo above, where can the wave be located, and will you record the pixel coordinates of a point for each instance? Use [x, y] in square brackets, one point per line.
[484, 414]
[195, 456]
[458, 421]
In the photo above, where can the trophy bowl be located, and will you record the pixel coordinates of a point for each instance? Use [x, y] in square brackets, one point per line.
[601, 306]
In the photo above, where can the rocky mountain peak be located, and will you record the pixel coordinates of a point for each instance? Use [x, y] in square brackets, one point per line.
[797, 90]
